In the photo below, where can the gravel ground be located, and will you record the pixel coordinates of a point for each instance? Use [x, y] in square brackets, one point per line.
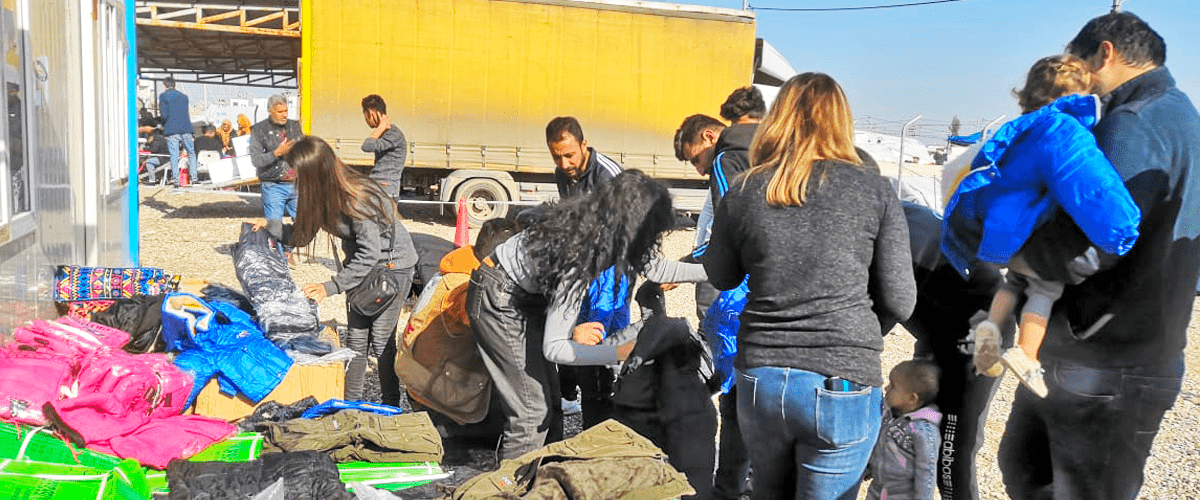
[190, 233]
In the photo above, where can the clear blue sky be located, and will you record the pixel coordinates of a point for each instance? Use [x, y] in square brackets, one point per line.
[957, 58]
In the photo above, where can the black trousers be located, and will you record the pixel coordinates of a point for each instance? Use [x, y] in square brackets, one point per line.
[1090, 437]
[941, 323]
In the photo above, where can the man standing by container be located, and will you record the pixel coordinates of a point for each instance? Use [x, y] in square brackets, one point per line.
[177, 126]
[388, 144]
[1114, 347]
[270, 140]
[578, 168]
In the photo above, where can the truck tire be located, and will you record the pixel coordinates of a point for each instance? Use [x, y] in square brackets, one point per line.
[486, 199]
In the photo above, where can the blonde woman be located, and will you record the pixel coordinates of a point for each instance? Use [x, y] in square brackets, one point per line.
[825, 245]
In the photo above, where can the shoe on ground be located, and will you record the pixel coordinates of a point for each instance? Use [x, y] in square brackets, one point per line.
[571, 407]
[1028, 371]
[987, 349]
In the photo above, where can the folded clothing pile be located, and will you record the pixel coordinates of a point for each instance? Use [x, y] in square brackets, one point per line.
[72, 374]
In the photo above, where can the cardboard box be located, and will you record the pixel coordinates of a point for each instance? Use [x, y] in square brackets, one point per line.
[320, 381]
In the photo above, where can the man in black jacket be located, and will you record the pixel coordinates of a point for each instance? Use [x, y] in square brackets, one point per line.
[270, 140]
[579, 168]
[723, 159]
[1113, 352]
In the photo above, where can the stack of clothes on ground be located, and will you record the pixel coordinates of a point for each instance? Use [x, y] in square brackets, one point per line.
[72, 375]
[37, 463]
[609, 460]
[316, 458]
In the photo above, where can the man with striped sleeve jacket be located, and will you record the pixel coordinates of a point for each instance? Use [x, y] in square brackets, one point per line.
[578, 168]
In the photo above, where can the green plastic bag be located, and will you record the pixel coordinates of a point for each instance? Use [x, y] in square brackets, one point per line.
[390, 476]
[30, 480]
[41, 445]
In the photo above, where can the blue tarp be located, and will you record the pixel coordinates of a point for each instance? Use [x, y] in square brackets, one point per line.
[965, 140]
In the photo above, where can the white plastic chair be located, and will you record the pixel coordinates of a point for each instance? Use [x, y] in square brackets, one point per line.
[204, 159]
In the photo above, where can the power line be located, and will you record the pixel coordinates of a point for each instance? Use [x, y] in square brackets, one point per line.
[868, 7]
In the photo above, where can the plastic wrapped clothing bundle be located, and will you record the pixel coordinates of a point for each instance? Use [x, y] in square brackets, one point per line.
[287, 317]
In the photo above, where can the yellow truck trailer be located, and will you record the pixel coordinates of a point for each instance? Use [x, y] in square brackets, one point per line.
[472, 83]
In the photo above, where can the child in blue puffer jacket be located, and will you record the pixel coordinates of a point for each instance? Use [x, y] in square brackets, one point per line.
[1043, 160]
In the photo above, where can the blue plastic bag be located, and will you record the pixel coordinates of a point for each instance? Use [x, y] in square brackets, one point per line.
[335, 405]
[720, 327]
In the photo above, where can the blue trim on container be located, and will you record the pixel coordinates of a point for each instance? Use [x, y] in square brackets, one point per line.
[133, 234]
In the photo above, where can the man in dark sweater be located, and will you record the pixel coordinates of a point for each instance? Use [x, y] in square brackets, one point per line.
[578, 167]
[387, 142]
[177, 126]
[1113, 352]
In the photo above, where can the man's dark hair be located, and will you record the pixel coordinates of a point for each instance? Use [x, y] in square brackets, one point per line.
[169, 82]
[689, 132]
[563, 125]
[920, 375]
[1136, 44]
[745, 101]
[491, 234]
[205, 129]
[374, 102]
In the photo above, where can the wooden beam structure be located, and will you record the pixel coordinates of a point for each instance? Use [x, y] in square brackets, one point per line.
[252, 43]
[244, 19]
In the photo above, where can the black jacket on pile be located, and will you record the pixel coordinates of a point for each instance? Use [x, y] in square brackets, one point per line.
[661, 395]
[307, 475]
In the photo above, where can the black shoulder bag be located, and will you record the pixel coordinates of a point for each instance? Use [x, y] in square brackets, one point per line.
[379, 288]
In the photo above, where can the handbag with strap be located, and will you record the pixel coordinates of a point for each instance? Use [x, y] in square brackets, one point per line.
[379, 288]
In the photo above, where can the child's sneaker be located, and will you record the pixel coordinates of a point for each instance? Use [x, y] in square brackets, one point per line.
[1028, 371]
[987, 349]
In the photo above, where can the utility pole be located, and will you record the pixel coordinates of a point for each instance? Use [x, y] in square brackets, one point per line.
[746, 4]
[1116, 7]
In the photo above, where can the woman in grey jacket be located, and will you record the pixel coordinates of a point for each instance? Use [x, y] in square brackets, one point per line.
[825, 244]
[347, 204]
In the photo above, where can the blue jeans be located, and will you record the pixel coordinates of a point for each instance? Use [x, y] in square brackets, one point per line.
[278, 198]
[804, 441]
[173, 149]
[1090, 437]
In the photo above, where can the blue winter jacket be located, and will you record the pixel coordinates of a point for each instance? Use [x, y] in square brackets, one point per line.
[1033, 164]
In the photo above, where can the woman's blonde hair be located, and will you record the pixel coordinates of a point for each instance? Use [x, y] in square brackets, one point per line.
[1053, 77]
[809, 121]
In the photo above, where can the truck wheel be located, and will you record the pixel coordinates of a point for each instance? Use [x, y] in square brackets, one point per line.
[486, 199]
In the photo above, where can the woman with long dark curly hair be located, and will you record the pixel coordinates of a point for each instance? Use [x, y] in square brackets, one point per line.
[345, 203]
[825, 244]
[525, 298]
